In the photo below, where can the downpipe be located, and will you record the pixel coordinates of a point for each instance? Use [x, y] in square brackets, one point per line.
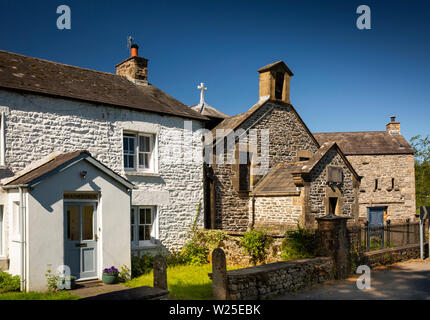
[22, 230]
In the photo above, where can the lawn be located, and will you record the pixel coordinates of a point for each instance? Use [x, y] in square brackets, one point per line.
[62, 295]
[184, 282]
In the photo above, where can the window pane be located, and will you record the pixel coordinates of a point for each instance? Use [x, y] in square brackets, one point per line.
[147, 156]
[132, 216]
[132, 233]
[145, 144]
[147, 232]
[141, 159]
[87, 223]
[73, 223]
[125, 141]
[141, 233]
[142, 216]
[130, 162]
[125, 161]
[148, 219]
[131, 146]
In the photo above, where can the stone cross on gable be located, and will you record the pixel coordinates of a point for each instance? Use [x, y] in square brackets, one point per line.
[202, 89]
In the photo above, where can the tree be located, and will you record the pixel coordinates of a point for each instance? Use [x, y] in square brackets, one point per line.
[421, 146]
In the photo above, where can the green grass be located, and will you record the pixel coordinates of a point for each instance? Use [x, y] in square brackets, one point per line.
[62, 295]
[184, 282]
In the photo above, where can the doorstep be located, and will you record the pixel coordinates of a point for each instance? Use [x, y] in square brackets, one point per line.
[92, 288]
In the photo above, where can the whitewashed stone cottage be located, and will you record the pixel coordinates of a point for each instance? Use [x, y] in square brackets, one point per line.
[92, 166]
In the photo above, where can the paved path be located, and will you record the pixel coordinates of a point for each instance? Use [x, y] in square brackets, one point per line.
[406, 281]
[95, 288]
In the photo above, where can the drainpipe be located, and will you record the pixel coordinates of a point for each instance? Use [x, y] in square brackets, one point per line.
[253, 212]
[22, 231]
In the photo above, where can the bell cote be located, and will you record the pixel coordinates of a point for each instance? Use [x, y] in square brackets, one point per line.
[275, 81]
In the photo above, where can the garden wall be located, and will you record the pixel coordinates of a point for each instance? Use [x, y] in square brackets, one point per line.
[264, 281]
[236, 255]
[391, 255]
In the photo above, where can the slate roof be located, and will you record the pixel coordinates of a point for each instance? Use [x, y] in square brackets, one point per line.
[280, 178]
[50, 163]
[276, 64]
[18, 72]
[235, 121]
[209, 111]
[367, 142]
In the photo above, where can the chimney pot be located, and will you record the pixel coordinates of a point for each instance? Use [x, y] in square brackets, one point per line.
[134, 68]
[393, 127]
[134, 51]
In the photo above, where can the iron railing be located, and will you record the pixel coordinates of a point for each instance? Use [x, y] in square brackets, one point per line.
[389, 235]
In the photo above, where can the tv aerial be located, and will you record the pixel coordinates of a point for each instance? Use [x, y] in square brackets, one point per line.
[129, 41]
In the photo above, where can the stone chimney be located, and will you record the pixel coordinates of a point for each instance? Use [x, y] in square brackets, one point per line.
[275, 81]
[134, 68]
[393, 127]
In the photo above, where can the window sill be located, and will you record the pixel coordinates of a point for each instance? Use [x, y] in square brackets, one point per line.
[141, 173]
[146, 246]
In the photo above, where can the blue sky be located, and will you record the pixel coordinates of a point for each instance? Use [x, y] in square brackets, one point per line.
[345, 79]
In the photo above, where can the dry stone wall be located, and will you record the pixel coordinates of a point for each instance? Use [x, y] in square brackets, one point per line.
[265, 281]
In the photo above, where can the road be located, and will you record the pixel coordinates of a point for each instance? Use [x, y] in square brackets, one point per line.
[405, 281]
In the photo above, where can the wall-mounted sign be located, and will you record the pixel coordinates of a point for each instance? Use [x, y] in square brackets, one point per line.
[80, 196]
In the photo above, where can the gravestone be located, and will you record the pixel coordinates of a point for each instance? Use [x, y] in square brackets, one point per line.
[160, 272]
[219, 275]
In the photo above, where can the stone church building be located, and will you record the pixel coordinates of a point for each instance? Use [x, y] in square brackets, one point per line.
[362, 175]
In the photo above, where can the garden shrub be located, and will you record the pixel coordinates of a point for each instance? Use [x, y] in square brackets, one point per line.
[256, 244]
[141, 265]
[9, 283]
[175, 258]
[297, 244]
[195, 253]
[212, 239]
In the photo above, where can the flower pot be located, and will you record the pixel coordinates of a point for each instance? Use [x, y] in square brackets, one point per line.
[70, 284]
[109, 279]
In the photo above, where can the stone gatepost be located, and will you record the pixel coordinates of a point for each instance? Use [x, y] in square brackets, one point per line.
[160, 272]
[219, 275]
[333, 240]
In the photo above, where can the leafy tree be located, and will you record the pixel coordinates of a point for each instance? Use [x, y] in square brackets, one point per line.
[421, 146]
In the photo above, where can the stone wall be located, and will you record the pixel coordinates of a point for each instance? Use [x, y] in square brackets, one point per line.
[277, 213]
[37, 125]
[318, 188]
[391, 255]
[236, 255]
[287, 136]
[281, 213]
[400, 200]
[265, 281]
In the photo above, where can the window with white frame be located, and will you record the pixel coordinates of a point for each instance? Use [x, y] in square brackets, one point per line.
[143, 225]
[139, 152]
